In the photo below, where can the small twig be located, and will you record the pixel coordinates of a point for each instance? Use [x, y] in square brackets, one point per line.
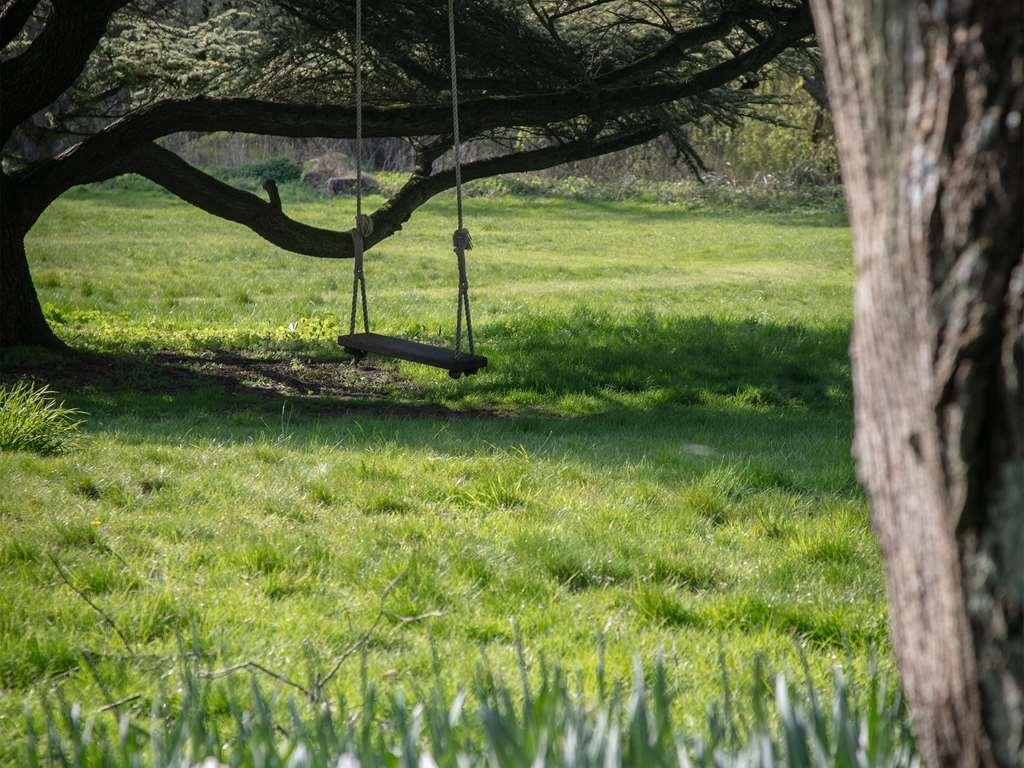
[118, 703]
[124, 562]
[320, 682]
[275, 197]
[66, 578]
[254, 665]
[401, 620]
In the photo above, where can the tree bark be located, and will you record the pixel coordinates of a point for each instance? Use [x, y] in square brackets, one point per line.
[928, 102]
[21, 318]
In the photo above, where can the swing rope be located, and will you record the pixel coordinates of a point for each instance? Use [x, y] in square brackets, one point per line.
[364, 224]
[461, 239]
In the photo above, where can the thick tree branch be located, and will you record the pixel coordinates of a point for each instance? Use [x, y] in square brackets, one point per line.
[54, 60]
[390, 217]
[269, 221]
[203, 191]
[84, 161]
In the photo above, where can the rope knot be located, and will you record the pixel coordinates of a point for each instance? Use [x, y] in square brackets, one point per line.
[462, 240]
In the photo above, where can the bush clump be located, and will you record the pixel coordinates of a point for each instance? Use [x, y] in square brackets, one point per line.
[279, 169]
[32, 420]
[717, 194]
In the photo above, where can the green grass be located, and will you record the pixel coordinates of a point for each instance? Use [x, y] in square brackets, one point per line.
[31, 420]
[545, 720]
[660, 448]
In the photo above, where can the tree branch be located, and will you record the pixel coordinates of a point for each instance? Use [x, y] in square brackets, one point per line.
[390, 217]
[54, 60]
[267, 220]
[671, 52]
[13, 18]
[85, 161]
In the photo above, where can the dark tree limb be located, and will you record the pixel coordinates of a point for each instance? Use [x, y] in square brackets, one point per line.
[671, 52]
[270, 222]
[267, 220]
[395, 212]
[13, 17]
[37, 76]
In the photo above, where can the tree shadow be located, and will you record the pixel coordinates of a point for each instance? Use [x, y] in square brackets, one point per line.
[679, 392]
[677, 360]
[536, 361]
[218, 382]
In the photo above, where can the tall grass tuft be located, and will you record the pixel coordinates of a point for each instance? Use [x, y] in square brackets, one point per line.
[545, 721]
[32, 420]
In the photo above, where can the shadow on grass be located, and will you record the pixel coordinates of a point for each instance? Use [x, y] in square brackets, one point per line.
[539, 362]
[688, 361]
[536, 359]
[675, 394]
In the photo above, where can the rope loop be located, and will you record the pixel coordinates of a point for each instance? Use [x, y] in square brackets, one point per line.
[462, 240]
[364, 225]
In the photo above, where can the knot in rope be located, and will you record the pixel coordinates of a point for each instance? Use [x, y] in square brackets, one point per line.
[462, 240]
[362, 230]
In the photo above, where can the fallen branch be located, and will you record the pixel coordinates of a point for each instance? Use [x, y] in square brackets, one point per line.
[66, 578]
[319, 682]
[118, 703]
[257, 667]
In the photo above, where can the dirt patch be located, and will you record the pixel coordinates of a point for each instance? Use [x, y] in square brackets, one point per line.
[288, 374]
[319, 386]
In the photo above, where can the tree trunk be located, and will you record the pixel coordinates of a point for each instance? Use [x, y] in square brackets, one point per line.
[928, 102]
[21, 318]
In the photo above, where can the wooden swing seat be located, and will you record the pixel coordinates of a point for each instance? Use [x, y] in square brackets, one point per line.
[457, 364]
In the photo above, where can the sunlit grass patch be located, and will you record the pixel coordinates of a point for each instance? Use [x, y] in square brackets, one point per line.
[31, 419]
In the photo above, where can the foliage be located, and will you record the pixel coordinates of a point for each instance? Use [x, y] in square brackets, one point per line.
[546, 722]
[32, 420]
[790, 142]
[280, 169]
[163, 50]
[690, 195]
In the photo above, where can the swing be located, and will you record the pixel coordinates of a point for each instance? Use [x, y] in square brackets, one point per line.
[359, 345]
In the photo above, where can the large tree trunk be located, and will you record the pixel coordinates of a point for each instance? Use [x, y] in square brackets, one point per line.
[21, 318]
[928, 102]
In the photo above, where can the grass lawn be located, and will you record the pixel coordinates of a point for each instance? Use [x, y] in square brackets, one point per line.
[659, 449]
